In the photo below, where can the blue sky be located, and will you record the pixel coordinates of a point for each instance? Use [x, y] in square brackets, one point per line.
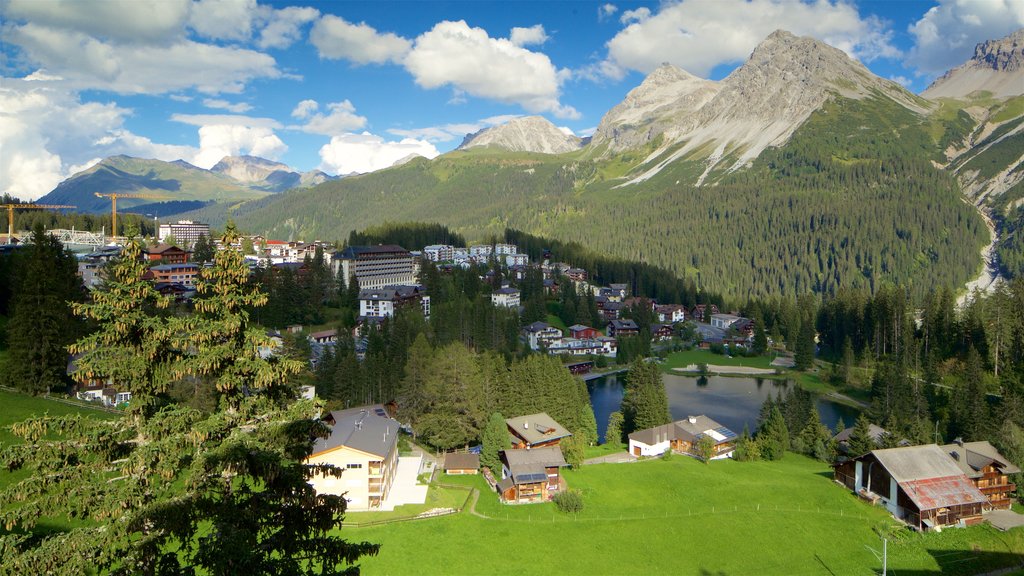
[354, 86]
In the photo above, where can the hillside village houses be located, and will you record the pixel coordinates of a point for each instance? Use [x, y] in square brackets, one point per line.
[531, 466]
[682, 436]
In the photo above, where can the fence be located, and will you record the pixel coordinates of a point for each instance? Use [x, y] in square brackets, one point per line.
[434, 513]
[69, 402]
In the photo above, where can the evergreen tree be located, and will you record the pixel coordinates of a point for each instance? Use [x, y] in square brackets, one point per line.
[574, 450]
[203, 250]
[644, 401]
[804, 353]
[773, 439]
[495, 439]
[613, 433]
[42, 323]
[816, 437]
[860, 441]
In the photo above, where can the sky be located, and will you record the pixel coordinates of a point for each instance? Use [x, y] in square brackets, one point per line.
[353, 86]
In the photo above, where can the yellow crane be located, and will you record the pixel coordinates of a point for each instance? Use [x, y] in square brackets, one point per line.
[12, 207]
[113, 205]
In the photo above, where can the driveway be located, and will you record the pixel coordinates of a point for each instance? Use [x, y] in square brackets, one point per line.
[404, 489]
[1004, 519]
[615, 458]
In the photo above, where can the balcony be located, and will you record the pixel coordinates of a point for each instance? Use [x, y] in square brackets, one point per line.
[998, 489]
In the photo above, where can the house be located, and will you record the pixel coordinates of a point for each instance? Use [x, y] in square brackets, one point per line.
[621, 328]
[505, 297]
[576, 274]
[617, 292]
[987, 468]
[698, 311]
[541, 334]
[611, 310]
[461, 463]
[661, 332]
[166, 252]
[364, 443]
[609, 346]
[682, 436]
[670, 313]
[724, 321]
[535, 431]
[580, 368]
[639, 302]
[184, 274]
[582, 332]
[324, 336]
[842, 439]
[383, 302]
[107, 395]
[577, 347]
[439, 253]
[531, 475]
[920, 485]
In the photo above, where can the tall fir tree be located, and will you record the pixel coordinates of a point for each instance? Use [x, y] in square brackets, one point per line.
[495, 439]
[644, 402]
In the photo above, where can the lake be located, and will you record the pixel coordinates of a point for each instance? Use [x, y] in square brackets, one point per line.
[732, 401]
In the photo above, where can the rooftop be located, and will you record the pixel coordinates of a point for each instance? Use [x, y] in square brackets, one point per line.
[537, 428]
[528, 466]
[973, 457]
[366, 428]
[917, 463]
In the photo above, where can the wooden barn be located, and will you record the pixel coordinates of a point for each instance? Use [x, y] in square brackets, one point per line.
[461, 463]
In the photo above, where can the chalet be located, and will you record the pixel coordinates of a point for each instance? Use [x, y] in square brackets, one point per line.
[577, 347]
[505, 297]
[612, 310]
[618, 291]
[461, 463]
[698, 311]
[637, 302]
[661, 332]
[609, 346]
[184, 274]
[541, 334]
[842, 439]
[670, 313]
[987, 468]
[531, 475]
[167, 253]
[682, 436]
[384, 302]
[580, 368]
[364, 442]
[324, 336]
[535, 431]
[920, 485]
[583, 332]
[620, 328]
[550, 286]
[576, 274]
[724, 321]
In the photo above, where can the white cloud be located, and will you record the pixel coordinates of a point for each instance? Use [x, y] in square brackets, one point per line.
[902, 81]
[468, 59]
[220, 140]
[180, 97]
[697, 36]
[946, 35]
[605, 11]
[449, 132]
[225, 120]
[341, 118]
[305, 108]
[237, 107]
[526, 36]
[223, 19]
[335, 38]
[641, 14]
[284, 27]
[367, 152]
[123, 20]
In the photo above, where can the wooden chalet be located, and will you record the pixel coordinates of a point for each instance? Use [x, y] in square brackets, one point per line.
[661, 332]
[988, 469]
[580, 368]
[532, 475]
[581, 332]
[168, 253]
[621, 328]
[535, 431]
[682, 437]
[461, 463]
[920, 485]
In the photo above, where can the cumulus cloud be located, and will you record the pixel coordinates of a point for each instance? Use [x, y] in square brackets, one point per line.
[123, 20]
[335, 39]
[449, 132]
[946, 35]
[220, 140]
[284, 26]
[606, 11]
[526, 36]
[225, 120]
[223, 20]
[341, 117]
[236, 107]
[348, 153]
[468, 59]
[697, 36]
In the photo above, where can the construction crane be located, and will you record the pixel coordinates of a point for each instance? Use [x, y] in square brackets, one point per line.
[12, 207]
[113, 205]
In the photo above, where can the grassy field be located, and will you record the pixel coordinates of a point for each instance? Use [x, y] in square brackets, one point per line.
[438, 496]
[684, 358]
[683, 517]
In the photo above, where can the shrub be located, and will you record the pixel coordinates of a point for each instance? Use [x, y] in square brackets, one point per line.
[569, 501]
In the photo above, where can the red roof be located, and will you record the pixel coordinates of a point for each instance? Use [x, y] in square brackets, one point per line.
[932, 493]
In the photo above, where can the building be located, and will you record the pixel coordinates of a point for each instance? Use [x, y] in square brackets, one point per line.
[516, 260]
[670, 313]
[988, 469]
[724, 321]
[535, 431]
[184, 274]
[167, 253]
[576, 274]
[375, 266]
[324, 336]
[699, 310]
[920, 485]
[578, 347]
[661, 332]
[531, 475]
[364, 443]
[505, 297]
[384, 302]
[620, 328]
[581, 331]
[682, 436]
[439, 253]
[541, 334]
[505, 249]
[842, 439]
[461, 463]
[186, 232]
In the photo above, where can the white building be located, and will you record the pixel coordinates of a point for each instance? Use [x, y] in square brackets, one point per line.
[723, 321]
[439, 253]
[185, 231]
[375, 266]
[541, 334]
[516, 259]
[383, 302]
[505, 249]
[481, 251]
[505, 297]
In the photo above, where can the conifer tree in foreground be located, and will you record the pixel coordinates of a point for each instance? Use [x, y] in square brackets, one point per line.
[166, 489]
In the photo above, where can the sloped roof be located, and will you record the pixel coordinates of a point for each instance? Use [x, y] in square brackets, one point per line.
[685, 430]
[367, 429]
[528, 466]
[917, 463]
[875, 433]
[537, 428]
[972, 457]
[931, 493]
[461, 461]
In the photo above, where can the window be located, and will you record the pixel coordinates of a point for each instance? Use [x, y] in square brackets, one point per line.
[353, 466]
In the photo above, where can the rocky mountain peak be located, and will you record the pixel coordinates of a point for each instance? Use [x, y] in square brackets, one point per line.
[525, 134]
[997, 67]
[248, 169]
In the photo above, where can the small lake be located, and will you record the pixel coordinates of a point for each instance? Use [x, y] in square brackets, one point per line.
[732, 401]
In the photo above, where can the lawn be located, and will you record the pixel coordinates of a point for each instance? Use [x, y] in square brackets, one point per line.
[438, 496]
[684, 358]
[683, 517]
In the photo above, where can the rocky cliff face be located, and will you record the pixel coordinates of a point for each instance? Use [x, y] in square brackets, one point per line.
[248, 169]
[997, 67]
[527, 134]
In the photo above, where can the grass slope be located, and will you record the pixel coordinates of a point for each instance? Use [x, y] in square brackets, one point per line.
[683, 517]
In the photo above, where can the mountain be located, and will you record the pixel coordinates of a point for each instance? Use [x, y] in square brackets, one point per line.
[526, 134]
[263, 174]
[997, 67]
[172, 181]
[799, 172]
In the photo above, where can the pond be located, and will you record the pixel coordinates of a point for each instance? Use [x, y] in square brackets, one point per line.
[732, 401]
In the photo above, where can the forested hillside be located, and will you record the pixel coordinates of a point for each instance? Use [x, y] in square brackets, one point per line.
[854, 199]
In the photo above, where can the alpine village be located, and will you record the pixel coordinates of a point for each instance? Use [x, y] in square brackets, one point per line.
[768, 324]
